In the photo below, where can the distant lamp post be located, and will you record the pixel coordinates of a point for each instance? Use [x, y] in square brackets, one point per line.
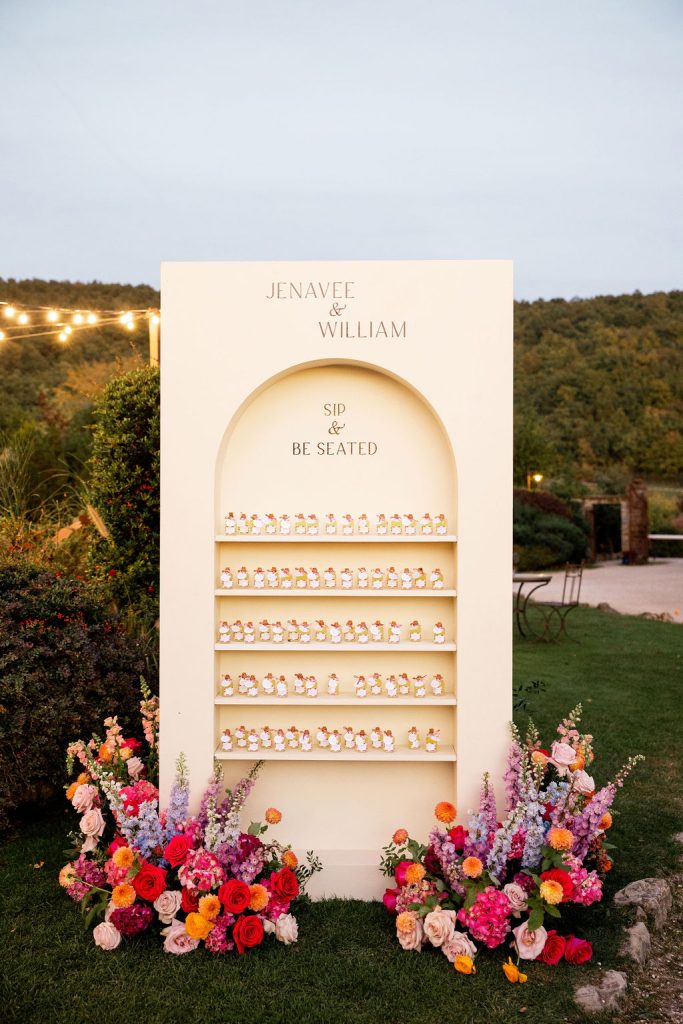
[535, 478]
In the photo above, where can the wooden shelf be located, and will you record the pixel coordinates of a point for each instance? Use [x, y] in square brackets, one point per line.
[340, 701]
[328, 592]
[445, 753]
[406, 647]
[335, 538]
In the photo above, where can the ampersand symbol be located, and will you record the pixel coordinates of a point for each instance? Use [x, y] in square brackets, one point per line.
[337, 310]
[336, 427]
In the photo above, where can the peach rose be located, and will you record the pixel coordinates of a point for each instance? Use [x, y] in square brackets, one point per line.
[583, 783]
[458, 944]
[439, 926]
[286, 929]
[167, 905]
[177, 940]
[409, 930]
[84, 798]
[106, 936]
[562, 755]
[527, 943]
[92, 826]
[517, 897]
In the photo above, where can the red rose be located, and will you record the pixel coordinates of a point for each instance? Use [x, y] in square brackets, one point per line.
[132, 744]
[248, 932]
[177, 850]
[577, 951]
[457, 836]
[234, 895]
[285, 884]
[558, 875]
[114, 845]
[150, 882]
[189, 901]
[553, 951]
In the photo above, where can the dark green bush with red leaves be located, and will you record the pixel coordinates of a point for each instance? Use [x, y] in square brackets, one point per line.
[65, 664]
[124, 489]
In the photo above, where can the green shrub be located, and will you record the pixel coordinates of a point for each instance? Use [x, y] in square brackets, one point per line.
[542, 539]
[124, 489]
[64, 665]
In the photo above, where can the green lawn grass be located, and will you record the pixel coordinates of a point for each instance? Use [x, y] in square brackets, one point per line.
[347, 966]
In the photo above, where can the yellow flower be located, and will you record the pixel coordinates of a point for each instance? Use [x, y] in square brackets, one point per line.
[273, 816]
[513, 973]
[445, 812]
[464, 964]
[123, 895]
[197, 926]
[259, 897]
[415, 873]
[399, 837]
[209, 907]
[560, 838]
[123, 857]
[405, 922]
[67, 876]
[290, 860]
[606, 820]
[551, 891]
[125, 753]
[472, 867]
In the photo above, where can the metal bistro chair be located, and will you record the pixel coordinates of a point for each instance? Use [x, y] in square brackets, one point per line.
[555, 613]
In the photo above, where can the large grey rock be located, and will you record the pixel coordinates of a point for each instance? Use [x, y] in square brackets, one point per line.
[637, 943]
[652, 899]
[605, 997]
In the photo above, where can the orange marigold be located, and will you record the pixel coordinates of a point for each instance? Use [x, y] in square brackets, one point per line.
[209, 907]
[197, 926]
[606, 820]
[560, 838]
[123, 857]
[399, 837]
[290, 859]
[472, 867]
[551, 891]
[415, 873]
[123, 895]
[273, 816]
[259, 897]
[445, 812]
[82, 779]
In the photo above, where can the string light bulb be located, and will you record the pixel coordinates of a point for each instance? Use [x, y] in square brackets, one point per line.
[52, 316]
[22, 319]
[130, 324]
[9, 312]
[92, 319]
[155, 319]
[67, 331]
[78, 318]
[2, 335]
[125, 318]
[62, 335]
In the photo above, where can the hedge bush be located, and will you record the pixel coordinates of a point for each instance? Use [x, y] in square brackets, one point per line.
[542, 540]
[124, 489]
[65, 664]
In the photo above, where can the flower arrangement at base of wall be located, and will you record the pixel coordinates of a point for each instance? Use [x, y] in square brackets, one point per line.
[498, 884]
[199, 877]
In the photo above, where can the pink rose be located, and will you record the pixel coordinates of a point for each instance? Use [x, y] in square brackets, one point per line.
[92, 827]
[106, 936]
[286, 929]
[177, 940]
[411, 933]
[527, 943]
[458, 944]
[84, 798]
[582, 782]
[167, 905]
[517, 897]
[439, 926]
[562, 755]
[135, 767]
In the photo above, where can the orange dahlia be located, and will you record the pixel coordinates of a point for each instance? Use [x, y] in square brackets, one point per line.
[209, 907]
[273, 816]
[123, 857]
[71, 790]
[290, 859]
[472, 867]
[445, 812]
[405, 922]
[67, 876]
[123, 895]
[560, 838]
[606, 820]
[415, 873]
[399, 837]
[551, 891]
[259, 897]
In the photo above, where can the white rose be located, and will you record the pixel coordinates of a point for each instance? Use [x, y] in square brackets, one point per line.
[517, 897]
[286, 929]
[268, 927]
[167, 905]
[106, 936]
[582, 782]
[458, 944]
[439, 926]
[135, 767]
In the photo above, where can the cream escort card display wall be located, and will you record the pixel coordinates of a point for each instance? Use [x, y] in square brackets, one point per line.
[341, 389]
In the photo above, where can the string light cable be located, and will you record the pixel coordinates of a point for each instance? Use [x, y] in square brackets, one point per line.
[24, 322]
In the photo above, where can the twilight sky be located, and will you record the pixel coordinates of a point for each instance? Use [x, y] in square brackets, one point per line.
[135, 131]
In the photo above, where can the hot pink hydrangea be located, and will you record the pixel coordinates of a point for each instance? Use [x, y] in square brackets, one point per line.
[217, 940]
[488, 919]
[89, 873]
[587, 884]
[115, 875]
[202, 870]
[140, 793]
